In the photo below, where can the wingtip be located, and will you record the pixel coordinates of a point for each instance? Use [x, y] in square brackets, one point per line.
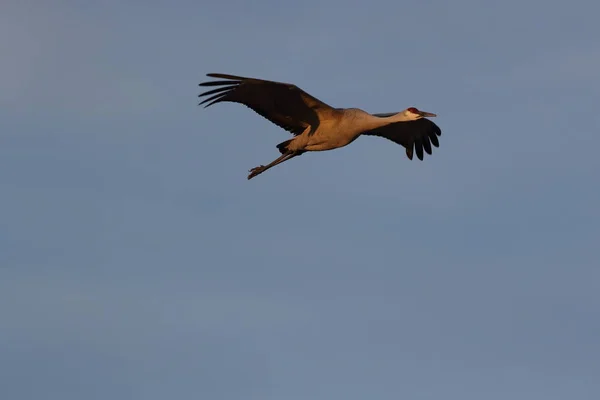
[226, 76]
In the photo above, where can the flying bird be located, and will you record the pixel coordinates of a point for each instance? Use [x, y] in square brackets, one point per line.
[317, 126]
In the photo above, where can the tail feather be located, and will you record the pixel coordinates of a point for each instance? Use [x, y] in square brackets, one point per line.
[283, 146]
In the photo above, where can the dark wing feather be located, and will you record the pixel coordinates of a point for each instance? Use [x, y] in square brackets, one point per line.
[415, 136]
[284, 104]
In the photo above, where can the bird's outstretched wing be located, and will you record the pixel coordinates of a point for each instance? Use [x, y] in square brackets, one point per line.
[415, 135]
[284, 104]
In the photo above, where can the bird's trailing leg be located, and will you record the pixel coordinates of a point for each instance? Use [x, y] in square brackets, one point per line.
[262, 168]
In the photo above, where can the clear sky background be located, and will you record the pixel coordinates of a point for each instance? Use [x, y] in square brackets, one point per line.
[137, 262]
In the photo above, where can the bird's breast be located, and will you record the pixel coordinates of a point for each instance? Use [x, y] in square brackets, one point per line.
[331, 135]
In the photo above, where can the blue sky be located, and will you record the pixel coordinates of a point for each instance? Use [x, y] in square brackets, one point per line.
[137, 262]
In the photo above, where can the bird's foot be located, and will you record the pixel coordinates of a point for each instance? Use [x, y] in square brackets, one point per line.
[255, 171]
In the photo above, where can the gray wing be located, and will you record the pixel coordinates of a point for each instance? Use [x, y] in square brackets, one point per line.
[284, 104]
[415, 136]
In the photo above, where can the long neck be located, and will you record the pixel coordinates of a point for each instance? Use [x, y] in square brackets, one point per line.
[374, 121]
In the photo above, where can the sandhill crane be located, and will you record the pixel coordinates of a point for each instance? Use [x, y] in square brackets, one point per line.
[316, 125]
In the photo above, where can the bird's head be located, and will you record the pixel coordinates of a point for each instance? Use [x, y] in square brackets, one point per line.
[413, 113]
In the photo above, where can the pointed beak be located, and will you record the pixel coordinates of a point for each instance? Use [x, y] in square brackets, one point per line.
[427, 114]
